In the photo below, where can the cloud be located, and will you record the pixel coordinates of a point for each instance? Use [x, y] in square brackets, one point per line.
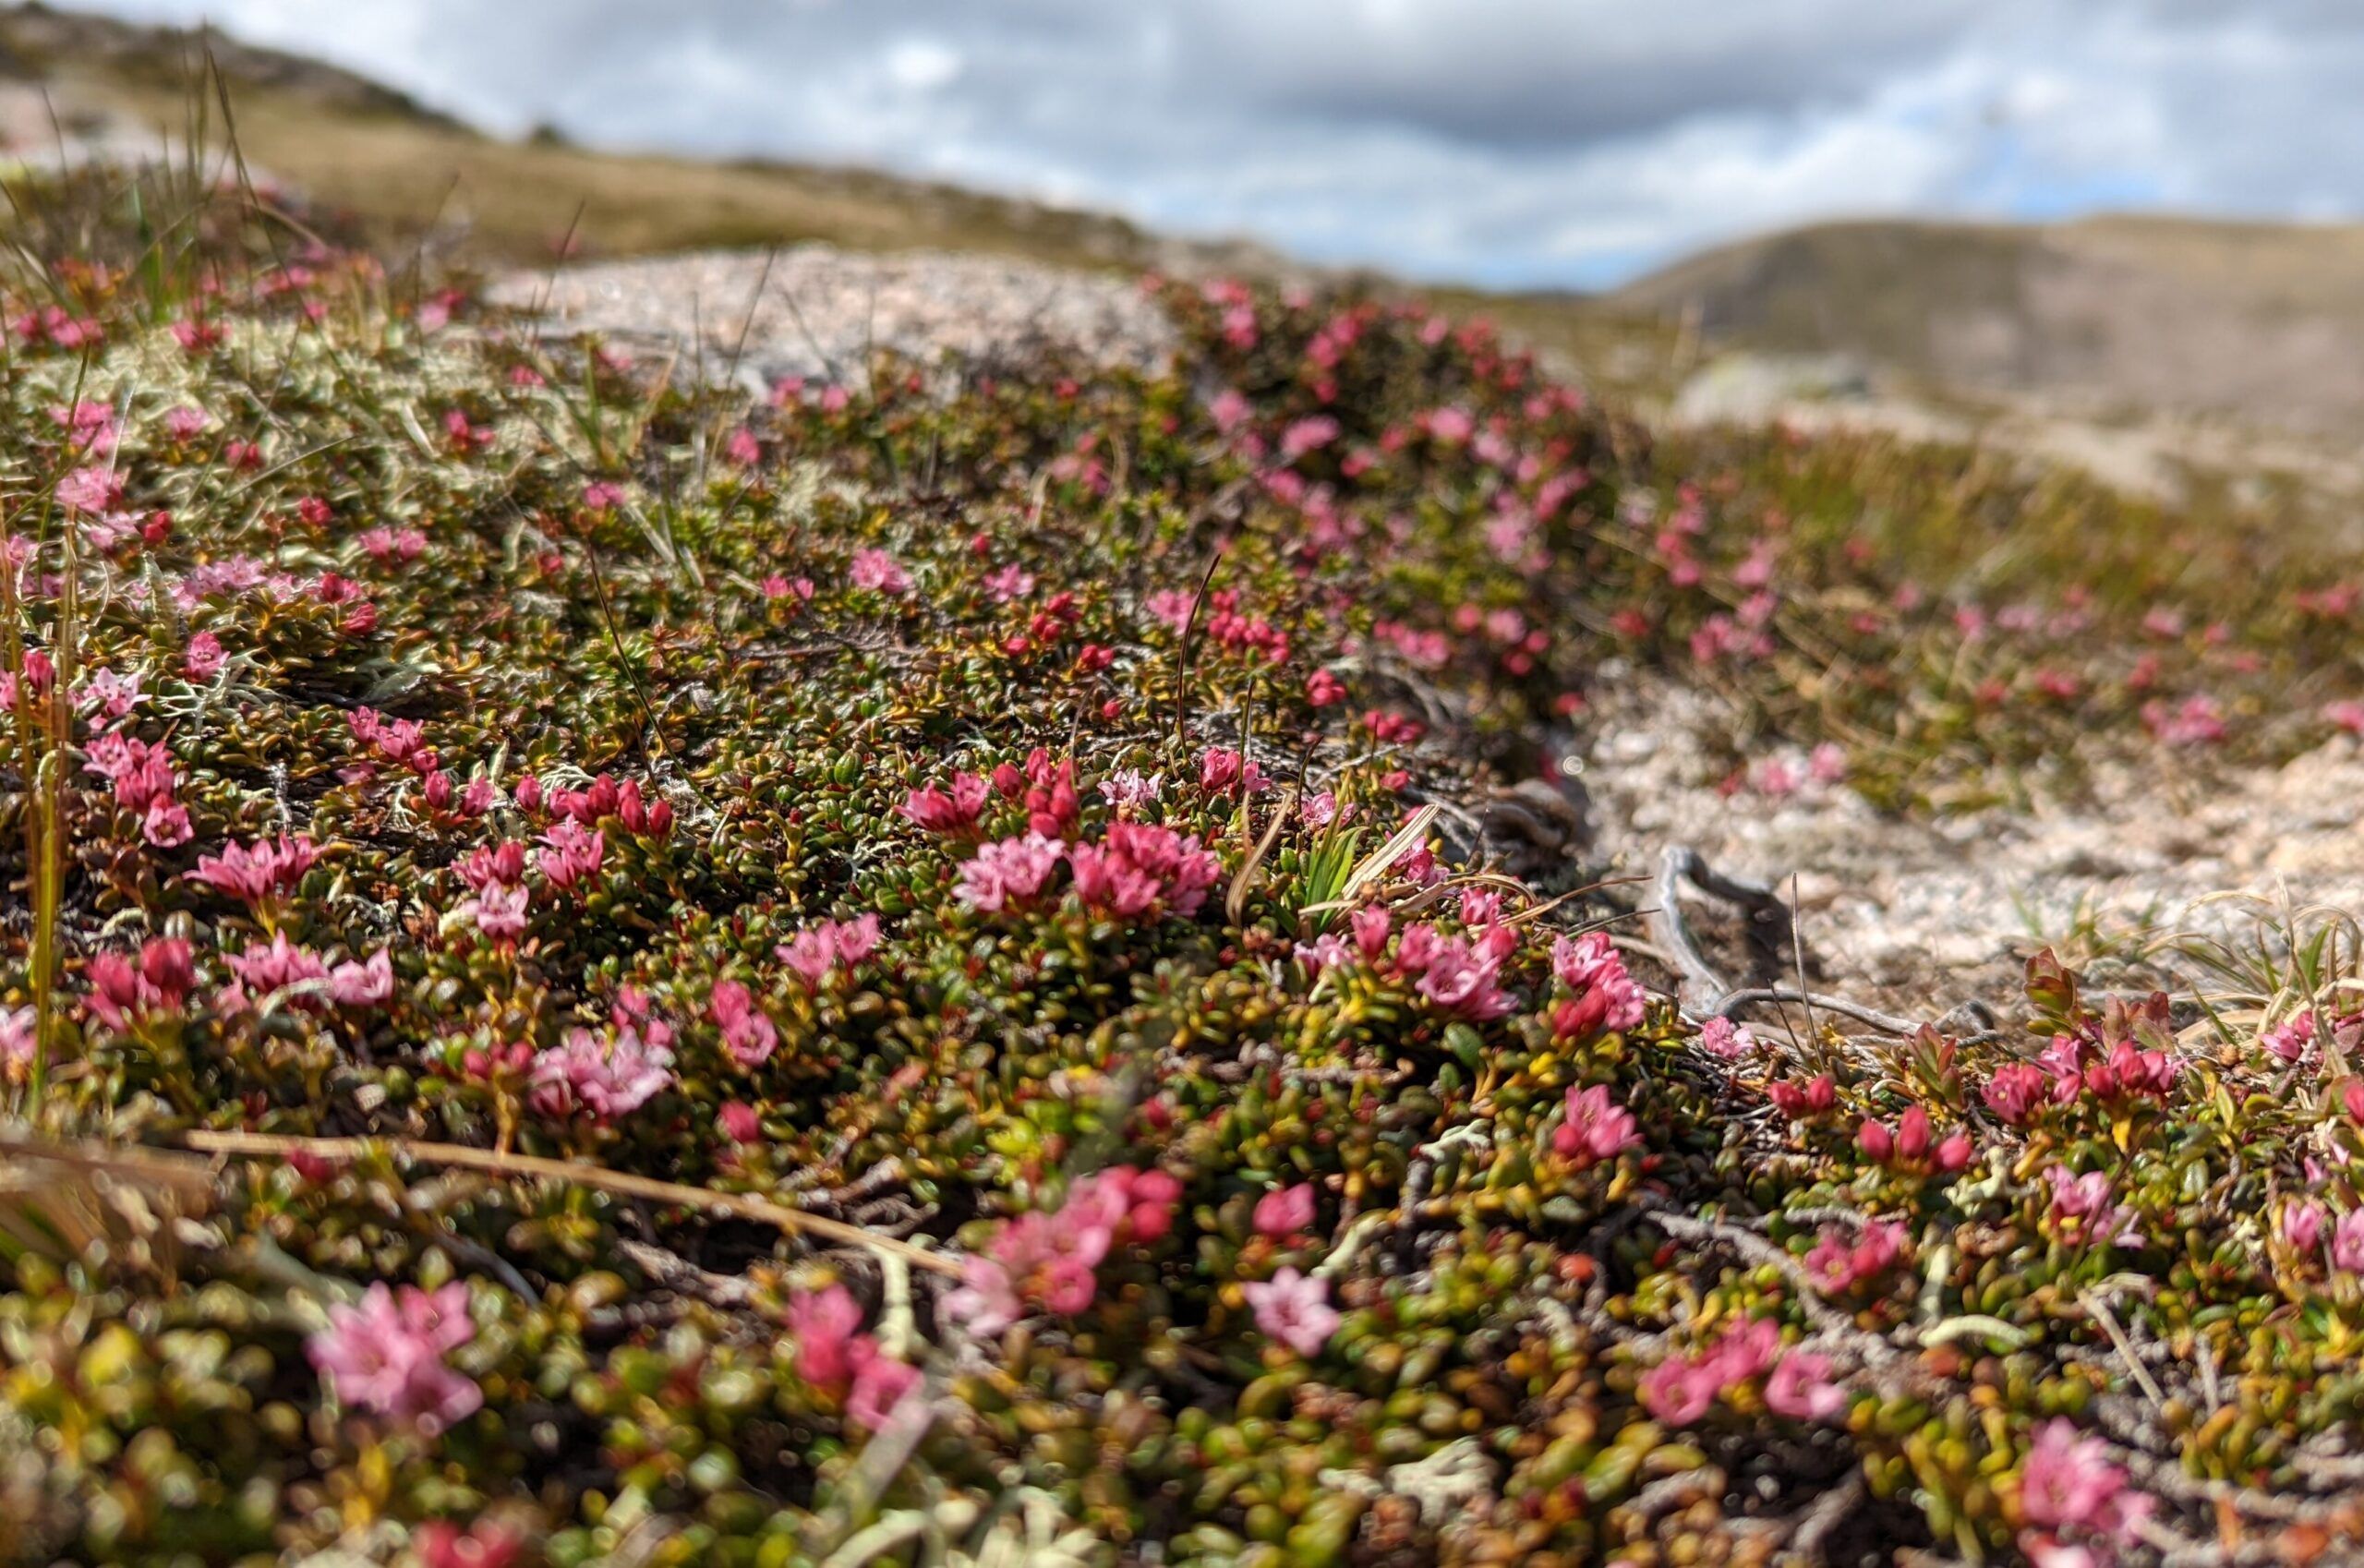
[1508, 141]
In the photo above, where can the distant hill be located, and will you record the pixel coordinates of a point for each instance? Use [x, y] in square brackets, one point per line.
[2260, 323]
[404, 169]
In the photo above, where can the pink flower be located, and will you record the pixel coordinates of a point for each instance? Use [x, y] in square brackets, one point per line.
[165, 825]
[602, 495]
[880, 1384]
[387, 1354]
[1223, 771]
[485, 1544]
[365, 985]
[1459, 974]
[1141, 872]
[1324, 951]
[825, 1326]
[1837, 1265]
[499, 913]
[854, 939]
[810, 953]
[2197, 722]
[2348, 1242]
[1129, 790]
[1229, 411]
[985, 1302]
[876, 569]
[2302, 1224]
[1596, 1128]
[2289, 1039]
[1721, 1038]
[19, 1042]
[2082, 1205]
[122, 991]
[1590, 966]
[91, 490]
[1008, 872]
[2068, 1482]
[747, 1034]
[1285, 1211]
[1294, 1309]
[1048, 1257]
[572, 852]
[1307, 435]
[1172, 607]
[1801, 1388]
[1678, 1391]
[2015, 1093]
[253, 872]
[608, 1076]
[203, 659]
[939, 812]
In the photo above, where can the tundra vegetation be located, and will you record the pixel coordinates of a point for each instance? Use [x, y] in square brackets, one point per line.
[942, 966]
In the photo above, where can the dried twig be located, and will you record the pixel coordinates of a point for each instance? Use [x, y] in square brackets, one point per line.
[739, 1205]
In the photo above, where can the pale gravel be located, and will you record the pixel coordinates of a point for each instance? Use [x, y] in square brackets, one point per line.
[818, 312]
[1929, 912]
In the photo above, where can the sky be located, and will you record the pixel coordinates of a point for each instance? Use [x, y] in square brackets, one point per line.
[1514, 143]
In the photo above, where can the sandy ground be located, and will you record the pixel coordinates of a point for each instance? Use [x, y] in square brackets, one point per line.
[1921, 913]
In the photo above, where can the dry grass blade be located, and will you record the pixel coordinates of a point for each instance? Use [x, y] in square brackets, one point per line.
[739, 1205]
[1235, 900]
[62, 1202]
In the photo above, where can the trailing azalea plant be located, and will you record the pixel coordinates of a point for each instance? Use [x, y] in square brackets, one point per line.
[614, 972]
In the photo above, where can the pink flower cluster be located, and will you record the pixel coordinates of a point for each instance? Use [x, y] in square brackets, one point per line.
[144, 781]
[1007, 873]
[833, 1355]
[1908, 1147]
[1294, 1309]
[876, 570]
[278, 966]
[572, 852]
[747, 1033]
[1594, 1128]
[826, 943]
[1047, 1258]
[1142, 872]
[1835, 1263]
[257, 872]
[387, 1354]
[1608, 998]
[123, 991]
[1223, 771]
[603, 799]
[954, 812]
[1681, 1389]
[2302, 1228]
[2083, 1211]
[496, 874]
[2069, 1483]
[1725, 1040]
[1459, 975]
[606, 1074]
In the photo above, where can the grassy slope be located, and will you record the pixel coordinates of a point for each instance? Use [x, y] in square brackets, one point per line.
[400, 168]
